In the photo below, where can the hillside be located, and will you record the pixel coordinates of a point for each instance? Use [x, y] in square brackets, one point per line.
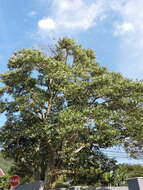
[5, 164]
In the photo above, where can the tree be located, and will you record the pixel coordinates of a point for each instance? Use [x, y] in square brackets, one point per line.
[5, 182]
[114, 175]
[93, 174]
[62, 108]
[5, 164]
[131, 171]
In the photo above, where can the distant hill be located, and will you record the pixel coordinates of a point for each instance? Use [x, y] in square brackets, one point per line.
[4, 163]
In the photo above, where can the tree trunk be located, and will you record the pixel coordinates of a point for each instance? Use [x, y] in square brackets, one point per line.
[50, 179]
[42, 174]
[51, 173]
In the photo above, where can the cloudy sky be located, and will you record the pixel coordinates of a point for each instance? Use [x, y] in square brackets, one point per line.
[113, 28]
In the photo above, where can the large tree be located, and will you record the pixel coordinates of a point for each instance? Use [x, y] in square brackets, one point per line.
[62, 108]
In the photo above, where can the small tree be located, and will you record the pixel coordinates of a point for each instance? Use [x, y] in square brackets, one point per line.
[61, 109]
[5, 182]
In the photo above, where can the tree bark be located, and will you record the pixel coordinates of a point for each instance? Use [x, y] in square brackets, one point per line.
[50, 179]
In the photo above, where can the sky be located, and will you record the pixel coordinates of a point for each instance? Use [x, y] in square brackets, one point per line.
[112, 28]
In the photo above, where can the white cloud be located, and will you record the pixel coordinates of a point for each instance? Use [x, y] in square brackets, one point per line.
[131, 16]
[129, 29]
[125, 16]
[65, 5]
[75, 15]
[46, 24]
[78, 15]
[123, 28]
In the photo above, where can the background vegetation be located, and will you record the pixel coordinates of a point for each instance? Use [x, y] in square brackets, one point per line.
[5, 164]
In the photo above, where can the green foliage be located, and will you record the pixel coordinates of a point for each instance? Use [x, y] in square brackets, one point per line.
[24, 171]
[5, 182]
[60, 183]
[132, 170]
[115, 177]
[62, 109]
[99, 177]
[5, 164]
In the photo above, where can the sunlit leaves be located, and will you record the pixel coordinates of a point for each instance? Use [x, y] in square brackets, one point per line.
[61, 109]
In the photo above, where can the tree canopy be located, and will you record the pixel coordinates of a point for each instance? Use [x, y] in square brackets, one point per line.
[63, 107]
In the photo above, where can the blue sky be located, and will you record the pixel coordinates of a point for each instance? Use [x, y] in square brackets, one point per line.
[113, 28]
